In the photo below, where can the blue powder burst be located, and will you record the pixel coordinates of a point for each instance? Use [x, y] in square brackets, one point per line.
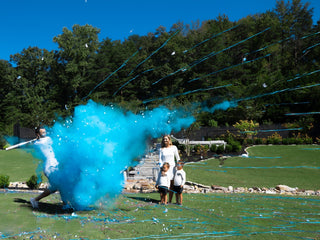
[220, 106]
[95, 145]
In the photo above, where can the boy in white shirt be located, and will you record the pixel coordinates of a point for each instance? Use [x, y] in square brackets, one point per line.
[179, 181]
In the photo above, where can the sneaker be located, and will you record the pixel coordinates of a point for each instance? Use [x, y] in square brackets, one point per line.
[34, 203]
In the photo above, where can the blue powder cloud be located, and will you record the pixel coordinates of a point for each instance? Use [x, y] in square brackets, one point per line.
[221, 106]
[99, 142]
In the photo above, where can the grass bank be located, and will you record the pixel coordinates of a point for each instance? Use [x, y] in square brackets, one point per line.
[18, 164]
[266, 166]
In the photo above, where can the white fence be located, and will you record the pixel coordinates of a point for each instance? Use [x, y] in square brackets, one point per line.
[186, 141]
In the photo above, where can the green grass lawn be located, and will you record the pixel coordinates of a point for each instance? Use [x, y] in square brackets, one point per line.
[138, 216]
[18, 164]
[267, 166]
[202, 216]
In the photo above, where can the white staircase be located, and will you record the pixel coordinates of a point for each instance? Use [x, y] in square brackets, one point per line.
[148, 168]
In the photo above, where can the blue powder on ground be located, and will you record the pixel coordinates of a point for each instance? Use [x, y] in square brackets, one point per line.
[95, 145]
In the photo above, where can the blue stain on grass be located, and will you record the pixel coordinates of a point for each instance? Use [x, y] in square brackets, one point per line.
[95, 145]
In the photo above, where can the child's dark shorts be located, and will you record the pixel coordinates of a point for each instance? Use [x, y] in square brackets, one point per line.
[163, 189]
[178, 189]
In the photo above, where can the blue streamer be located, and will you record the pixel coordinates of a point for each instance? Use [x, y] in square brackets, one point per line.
[213, 36]
[310, 47]
[274, 130]
[280, 41]
[126, 83]
[312, 34]
[186, 93]
[165, 43]
[225, 49]
[278, 104]
[307, 113]
[188, 67]
[261, 49]
[278, 91]
[110, 75]
[303, 75]
[226, 68]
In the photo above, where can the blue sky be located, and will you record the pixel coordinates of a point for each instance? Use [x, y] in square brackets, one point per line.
[35, 22]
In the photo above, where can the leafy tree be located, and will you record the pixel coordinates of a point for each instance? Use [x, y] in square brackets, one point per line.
[204, 63]
[30, 98]
[75, 59]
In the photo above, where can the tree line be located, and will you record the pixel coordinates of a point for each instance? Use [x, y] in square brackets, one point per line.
[269, 62]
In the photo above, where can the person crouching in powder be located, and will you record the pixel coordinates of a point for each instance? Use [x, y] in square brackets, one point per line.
[163, 182]
[179, 180]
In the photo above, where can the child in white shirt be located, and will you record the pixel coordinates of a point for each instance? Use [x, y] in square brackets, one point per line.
[179, 181]
[163, 182]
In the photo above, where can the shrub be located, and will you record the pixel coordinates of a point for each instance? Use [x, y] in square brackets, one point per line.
[299, 141]
[181, 147]
[220, 149]
[212, 123]
[308, 140]
[3, 143]
[258, 141]
[197, 147]
[4, 181]
[291, 140]
[285, 141]
[202, 149]
[249, 141]
[34, 182]
[275, 138]
[228, 148]
[276, 141]
[213, 148]
[236, 147]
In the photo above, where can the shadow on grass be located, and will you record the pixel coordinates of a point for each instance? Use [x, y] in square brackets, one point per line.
[145, 199]
[48, 208]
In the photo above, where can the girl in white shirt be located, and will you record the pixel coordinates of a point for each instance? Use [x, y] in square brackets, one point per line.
[169, 153]
[163, 183]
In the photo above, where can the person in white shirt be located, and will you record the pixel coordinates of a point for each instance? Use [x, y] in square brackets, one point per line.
[163, 182]
[179, 181]
[169, 153]
[44, 146]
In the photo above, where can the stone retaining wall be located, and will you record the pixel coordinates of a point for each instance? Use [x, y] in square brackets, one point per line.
[148, 186]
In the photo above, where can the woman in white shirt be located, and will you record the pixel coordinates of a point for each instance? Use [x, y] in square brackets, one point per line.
[169, 153]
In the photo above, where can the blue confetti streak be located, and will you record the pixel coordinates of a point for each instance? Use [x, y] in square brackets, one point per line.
[186, 93]
[110, 75]
[227, 68]
[154, 52]
[213, 36]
